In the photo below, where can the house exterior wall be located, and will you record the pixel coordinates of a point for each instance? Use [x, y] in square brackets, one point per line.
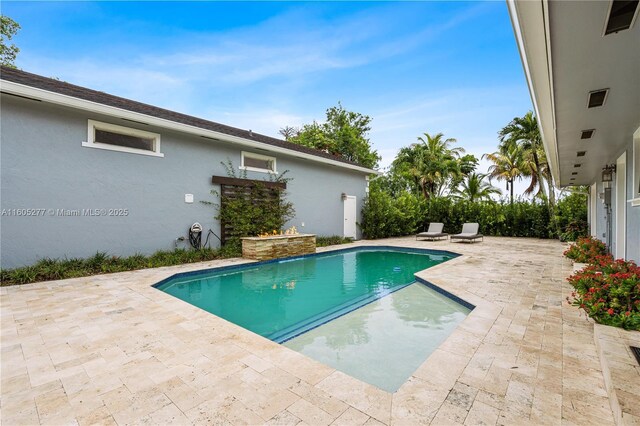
[633, 212]
[44, 166]
[632, 219]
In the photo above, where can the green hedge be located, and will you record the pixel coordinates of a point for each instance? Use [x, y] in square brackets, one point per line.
[520, 219]
[386, 216]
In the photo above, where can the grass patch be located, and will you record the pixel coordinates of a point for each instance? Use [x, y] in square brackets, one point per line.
[102, 263]
[332, 240]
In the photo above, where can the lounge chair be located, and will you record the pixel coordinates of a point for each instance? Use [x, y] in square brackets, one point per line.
[433, 233]
[469, 233]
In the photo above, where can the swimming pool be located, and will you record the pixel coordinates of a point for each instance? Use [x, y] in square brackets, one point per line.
[284, 299]
[280, 299]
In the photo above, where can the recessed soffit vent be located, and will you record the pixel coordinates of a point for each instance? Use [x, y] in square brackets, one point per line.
[574, 173]
[622, 14]
[587, 134]
[581, 153]
[577, 165]
[597, 98]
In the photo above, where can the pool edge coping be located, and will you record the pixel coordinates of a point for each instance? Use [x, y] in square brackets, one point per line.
[316, 321]
[291, 258]
[457, 342]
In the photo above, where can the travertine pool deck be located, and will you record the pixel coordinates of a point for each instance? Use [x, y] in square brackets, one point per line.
[113, 350]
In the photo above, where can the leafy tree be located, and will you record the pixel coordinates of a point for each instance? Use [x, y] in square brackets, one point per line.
[343, 134]
[432, 167]
[473, 188]
[508, 165]
[8, 52]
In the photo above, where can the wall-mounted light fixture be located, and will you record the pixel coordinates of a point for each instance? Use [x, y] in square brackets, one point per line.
[607, 173]
[344, 196]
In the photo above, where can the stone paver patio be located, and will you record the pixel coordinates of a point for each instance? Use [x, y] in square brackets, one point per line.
[112, 349]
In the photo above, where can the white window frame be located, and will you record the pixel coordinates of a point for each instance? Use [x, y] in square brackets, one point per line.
[621, 206]
[258, 157]
[635, 194]
[593, 209]
[114, 128]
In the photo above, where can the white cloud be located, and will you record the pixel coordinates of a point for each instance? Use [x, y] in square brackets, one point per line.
[252, 77]
[265, 121]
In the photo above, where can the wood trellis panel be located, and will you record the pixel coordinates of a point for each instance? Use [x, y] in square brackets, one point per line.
[234, 188]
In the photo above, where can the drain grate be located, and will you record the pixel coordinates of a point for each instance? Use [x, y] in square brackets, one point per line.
[636, 352]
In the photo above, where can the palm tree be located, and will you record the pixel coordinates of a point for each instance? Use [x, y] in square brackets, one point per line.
[524, 131]
[508, 165]
[473, 188]
[432, 165]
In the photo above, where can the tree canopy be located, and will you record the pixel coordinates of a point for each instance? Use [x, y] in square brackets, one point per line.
[474, 188]
[522, 134]
[508, 165]
[432, 166]
[8, 51]
[344, 134]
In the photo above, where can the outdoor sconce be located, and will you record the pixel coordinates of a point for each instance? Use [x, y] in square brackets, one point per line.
[344, 196]
[607, 173]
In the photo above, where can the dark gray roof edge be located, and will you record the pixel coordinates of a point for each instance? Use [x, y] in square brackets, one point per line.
[60, 87]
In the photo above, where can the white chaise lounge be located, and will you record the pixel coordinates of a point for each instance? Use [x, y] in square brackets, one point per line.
[469, 233]
[434, 232]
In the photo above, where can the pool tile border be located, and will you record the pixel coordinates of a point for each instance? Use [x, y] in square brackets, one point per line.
[288, 259]
[341, 310]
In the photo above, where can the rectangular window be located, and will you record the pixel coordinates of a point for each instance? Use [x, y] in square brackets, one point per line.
[123, 139]
[258, 163]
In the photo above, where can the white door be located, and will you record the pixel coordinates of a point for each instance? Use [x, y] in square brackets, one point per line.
[350, 216]
[621, 205]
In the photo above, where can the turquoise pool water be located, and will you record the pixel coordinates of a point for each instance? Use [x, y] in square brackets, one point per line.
[384, 342]
[283, 299]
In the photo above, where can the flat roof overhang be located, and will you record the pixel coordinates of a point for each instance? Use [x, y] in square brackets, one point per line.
[566, 55]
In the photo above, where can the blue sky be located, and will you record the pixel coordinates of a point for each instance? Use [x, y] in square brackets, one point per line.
[414, 67]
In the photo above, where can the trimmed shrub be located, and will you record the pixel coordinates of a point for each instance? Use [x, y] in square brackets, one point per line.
[609, 292]
[520, 219]
[384, 216]
[587, 250]
[331, 240]
[102, 263]
[571, 217]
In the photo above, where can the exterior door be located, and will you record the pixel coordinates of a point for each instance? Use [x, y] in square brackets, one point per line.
[350, 216]
[621, 206]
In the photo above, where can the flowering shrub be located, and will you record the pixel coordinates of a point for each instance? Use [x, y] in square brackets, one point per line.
[586, 250]
[609, 292]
